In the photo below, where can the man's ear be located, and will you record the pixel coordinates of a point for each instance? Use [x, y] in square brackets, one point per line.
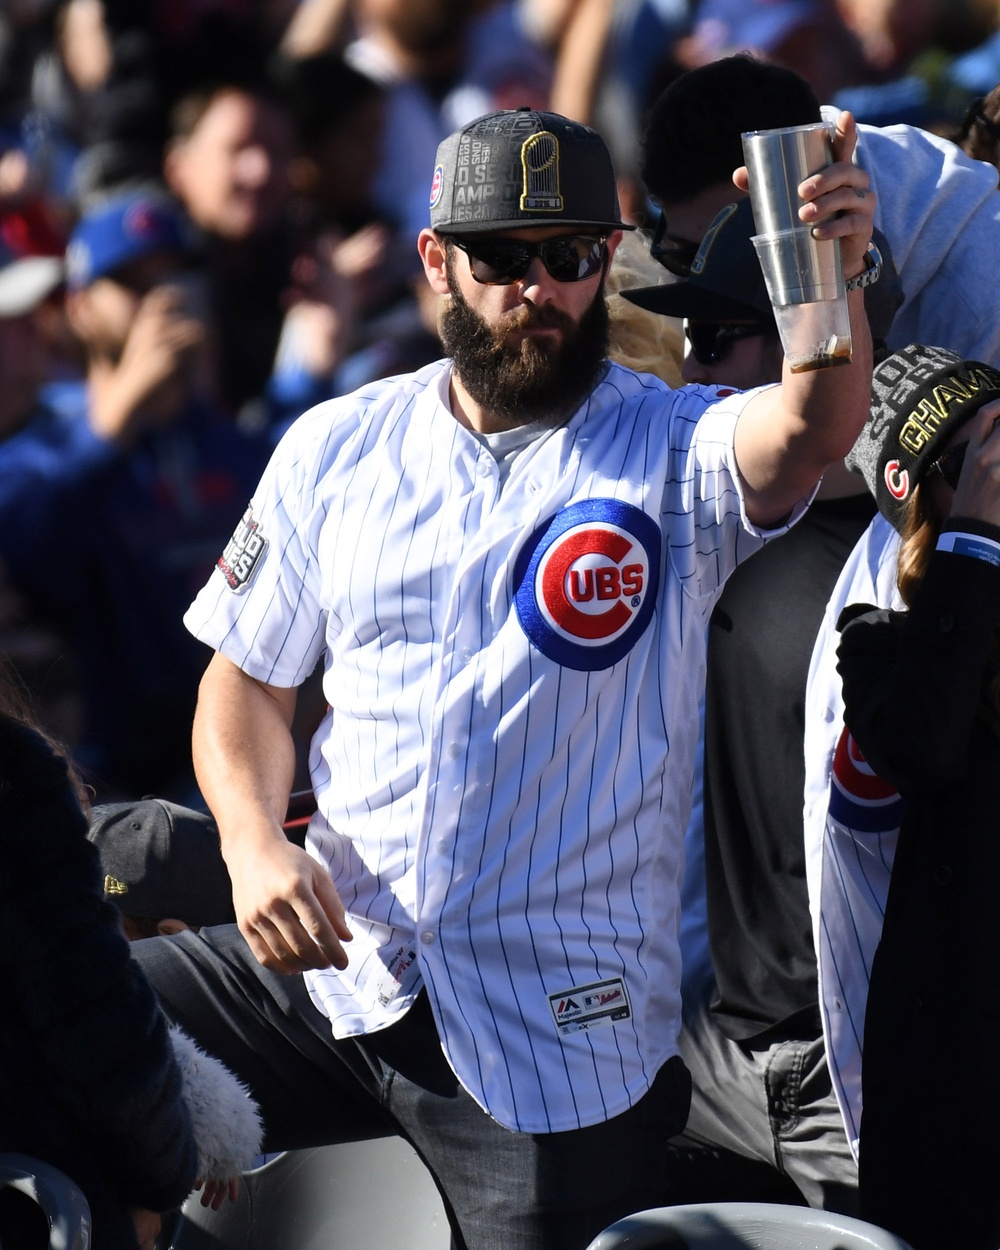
[433, 255]
[614, 238]
[175, 167]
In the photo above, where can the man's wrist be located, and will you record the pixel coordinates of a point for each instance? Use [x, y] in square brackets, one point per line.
[870, 273]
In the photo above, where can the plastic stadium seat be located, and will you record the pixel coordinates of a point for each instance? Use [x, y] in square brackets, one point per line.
[743, 1226]
[60, 1199]
[376, 1194]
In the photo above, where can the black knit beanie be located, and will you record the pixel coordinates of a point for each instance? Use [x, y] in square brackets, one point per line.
[920, 396]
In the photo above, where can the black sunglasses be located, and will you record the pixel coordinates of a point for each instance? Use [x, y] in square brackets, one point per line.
[568, 258]
[678, 255]
[949, 464]
[712, 343]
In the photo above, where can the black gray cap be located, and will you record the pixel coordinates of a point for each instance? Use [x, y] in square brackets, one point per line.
[920, 396]
[520, 168]
[727, 283]
[163, 860]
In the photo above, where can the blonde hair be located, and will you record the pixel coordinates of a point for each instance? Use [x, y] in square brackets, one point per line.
[645, 341]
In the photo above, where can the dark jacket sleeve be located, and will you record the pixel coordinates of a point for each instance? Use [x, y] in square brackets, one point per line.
[912, 680]
[72, 992]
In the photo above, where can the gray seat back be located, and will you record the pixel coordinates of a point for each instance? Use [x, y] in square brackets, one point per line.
[743, 1226]
[374, 1193]
[60, 1199]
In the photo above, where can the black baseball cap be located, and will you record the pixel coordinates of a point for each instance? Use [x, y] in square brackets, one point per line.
[161, 860]
[522, 167]
[726, 282]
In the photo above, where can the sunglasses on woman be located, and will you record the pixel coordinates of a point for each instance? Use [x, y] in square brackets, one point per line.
[712, 343]
[499, 262]
[949, 464]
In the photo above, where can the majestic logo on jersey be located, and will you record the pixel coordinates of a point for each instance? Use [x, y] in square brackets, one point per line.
[243, 554]
[859, 799]
[586, 583]
[584, 1006]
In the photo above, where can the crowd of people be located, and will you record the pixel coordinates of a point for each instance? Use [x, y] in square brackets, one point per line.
[645, 710]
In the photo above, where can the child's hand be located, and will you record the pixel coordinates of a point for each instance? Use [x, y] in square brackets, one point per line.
[216, 1192]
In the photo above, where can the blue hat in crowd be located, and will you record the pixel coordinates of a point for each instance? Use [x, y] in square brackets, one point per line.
[122, 229]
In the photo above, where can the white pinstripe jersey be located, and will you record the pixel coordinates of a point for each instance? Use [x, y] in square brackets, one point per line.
[504, 776]
[851, 826]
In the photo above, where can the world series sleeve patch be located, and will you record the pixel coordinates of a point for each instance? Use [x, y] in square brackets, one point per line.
[586, 1006]
[243, 554]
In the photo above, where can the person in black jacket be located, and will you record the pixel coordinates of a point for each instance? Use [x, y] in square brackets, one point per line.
[89, 1080]
[922, 702]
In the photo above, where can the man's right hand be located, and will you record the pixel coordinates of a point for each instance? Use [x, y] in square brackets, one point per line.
[153, 376]
[287, 907]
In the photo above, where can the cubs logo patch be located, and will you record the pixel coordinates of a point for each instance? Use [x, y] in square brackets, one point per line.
[897, 480]
[586, 583]
[437, 186]
[144, 220]
[858, 798]
[243, 554]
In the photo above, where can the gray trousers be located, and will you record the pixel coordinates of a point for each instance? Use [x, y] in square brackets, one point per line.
[503, 1190]
[774, 1103]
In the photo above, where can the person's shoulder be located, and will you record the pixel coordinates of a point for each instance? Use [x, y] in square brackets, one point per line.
[60, 410]
[372, 397]
[637, 387]
[314, 442]
[650, 398]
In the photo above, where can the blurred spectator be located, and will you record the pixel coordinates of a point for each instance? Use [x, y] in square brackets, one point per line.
[979, 134]
[229, 161]
[25, 283]
[352, 315]
[891, 32]
[121, 490]
[610, 58]
[938, 209]
[924, 60]
[807, 36]
[442, 62]
[30, 304]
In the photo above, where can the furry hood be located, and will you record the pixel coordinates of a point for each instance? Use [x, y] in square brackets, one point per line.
[225, 1119]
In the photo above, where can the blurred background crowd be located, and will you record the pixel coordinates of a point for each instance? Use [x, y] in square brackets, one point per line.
[208, 211]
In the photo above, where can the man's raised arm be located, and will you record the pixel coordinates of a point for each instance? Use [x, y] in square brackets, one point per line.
[286, 904]
[787, 437]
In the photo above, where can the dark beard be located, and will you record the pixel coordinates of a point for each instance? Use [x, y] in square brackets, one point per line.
[530, 380]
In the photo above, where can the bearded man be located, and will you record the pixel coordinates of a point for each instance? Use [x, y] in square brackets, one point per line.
[505, 564]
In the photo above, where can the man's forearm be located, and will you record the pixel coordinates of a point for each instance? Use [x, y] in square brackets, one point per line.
[789, 436]
[832, 404]
[244, 755]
